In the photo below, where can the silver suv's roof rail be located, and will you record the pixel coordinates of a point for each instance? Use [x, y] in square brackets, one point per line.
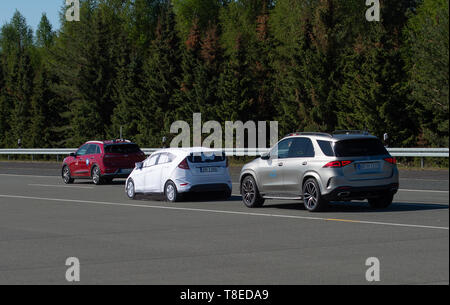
[306, 133]
[363, 132]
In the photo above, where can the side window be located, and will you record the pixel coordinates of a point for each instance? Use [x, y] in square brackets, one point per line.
[151, 160]
[281, 150]
[92, 149]
[301, 148]
[98, 151]
[170, 157]
[83, 149]
[326, 148]
[163, 159]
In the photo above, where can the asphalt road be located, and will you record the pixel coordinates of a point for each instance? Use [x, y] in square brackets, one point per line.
[208, 241]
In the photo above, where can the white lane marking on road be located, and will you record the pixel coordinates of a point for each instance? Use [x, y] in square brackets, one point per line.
[32, 176]
[433, 180]
[423, 191]
[67, 186]
[226, 212]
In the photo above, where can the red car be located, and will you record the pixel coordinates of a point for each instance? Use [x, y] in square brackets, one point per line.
[102, 161]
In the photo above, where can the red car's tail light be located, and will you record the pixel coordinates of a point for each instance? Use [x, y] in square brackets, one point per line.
[337, 164]
[184, 164]
[391, 160]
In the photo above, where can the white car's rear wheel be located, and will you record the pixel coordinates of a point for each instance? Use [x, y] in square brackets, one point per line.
[171, 193]
[131, 192]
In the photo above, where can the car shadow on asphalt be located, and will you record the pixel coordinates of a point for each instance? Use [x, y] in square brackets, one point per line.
[200, 197]
[361, 206]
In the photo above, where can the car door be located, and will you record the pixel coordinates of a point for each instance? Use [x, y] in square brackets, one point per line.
[301, 153]
[90, 157]
[80, 168]
[154, 180]
[270, 172]
[148, 172]
[165, 164]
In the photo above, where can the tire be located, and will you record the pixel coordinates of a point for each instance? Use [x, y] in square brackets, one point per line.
[67, 178]
[131, 191]
[96, 175]
[312, 198]
[171, 193]
[226, 194]
[250, 193]
[381, 202]
[108, 180]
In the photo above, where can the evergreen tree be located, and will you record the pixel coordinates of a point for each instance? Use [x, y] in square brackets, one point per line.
[427, 56]
[162, 74]
[16, 45]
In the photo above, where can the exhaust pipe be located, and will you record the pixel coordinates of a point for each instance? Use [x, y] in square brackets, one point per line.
[343, 194]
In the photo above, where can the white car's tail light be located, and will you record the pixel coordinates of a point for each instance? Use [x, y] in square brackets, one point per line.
[184, 164]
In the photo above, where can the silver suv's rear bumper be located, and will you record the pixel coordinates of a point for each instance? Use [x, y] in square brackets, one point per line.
[360, 193]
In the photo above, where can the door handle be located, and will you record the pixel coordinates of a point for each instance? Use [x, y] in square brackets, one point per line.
[280, 164]
[305, 163]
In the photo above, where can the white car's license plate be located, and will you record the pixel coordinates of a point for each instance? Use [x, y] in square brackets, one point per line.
[367, 167]
[208, 169]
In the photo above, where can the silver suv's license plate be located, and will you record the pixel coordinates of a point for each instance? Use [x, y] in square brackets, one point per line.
[208, 169]
[367, 166]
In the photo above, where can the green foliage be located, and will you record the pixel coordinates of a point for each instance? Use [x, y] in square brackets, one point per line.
[427, 57]
[140, 65]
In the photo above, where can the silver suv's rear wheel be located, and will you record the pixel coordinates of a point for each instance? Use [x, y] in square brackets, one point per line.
[312, 198]
[381, 202]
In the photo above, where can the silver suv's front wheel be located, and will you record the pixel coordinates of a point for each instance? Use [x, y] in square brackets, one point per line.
[312, 198]
[250, 193]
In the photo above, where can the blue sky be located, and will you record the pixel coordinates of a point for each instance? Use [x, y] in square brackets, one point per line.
[32, 10]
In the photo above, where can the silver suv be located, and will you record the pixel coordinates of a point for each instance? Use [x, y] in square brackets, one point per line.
[319, 167]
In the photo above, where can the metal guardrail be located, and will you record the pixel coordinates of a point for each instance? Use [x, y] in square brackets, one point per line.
[396, 152]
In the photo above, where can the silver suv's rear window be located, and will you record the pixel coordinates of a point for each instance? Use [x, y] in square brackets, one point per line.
[353, 148]
[359, 147]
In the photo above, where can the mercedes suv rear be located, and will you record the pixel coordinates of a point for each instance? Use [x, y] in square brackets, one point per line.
[318, 168]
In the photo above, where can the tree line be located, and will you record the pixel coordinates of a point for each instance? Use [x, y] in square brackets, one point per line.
[310, 65]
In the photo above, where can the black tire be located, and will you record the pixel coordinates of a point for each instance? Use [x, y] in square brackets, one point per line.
[131, 191]
[65, 174]
[312, 198]
[250, 193]
[381, 202]
[226, 194]
[96, 175]
[108, 180]
[171, 192]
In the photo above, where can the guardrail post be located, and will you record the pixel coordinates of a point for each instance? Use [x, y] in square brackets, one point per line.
[421, 162]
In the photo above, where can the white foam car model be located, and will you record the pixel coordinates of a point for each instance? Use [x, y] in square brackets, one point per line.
[174, 171]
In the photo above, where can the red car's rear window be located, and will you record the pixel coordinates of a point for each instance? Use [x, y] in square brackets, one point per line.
[121, 148]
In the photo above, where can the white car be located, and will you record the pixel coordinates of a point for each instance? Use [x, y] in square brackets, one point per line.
[174, 171]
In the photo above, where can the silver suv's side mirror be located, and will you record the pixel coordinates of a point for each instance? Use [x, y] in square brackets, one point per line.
[265, 156]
